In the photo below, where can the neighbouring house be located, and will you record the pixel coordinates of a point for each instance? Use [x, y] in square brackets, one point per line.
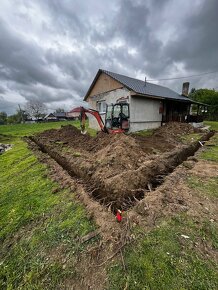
[73, 114]
[50, 117]
[150, 105]
[61, 116]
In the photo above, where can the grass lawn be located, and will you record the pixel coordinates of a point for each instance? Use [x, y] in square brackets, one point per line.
[40, 223]
[40, 227]
[213, 124]
[20, 130]
[163, 259]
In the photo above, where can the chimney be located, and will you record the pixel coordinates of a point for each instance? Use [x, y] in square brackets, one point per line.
[145, 81]
[185, 89]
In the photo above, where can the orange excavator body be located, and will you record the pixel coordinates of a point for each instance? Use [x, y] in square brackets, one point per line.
[83, 111]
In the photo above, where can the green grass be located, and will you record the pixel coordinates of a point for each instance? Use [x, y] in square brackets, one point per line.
[19, 130]
[205, 187]
[76, 154]
[189, 138]
[163, 259]
[210, 151]
[40, 223]
[145, 133]
[213, 124]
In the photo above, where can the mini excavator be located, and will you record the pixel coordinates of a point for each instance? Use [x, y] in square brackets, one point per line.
[116, 118]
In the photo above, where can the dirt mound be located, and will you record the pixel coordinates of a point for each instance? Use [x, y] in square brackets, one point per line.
[116, 167]
[173, 130]
[163, 139]
[103, 156]
[68, 135]
[72, 137]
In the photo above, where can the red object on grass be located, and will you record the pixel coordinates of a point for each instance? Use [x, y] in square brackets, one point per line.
[119, 215]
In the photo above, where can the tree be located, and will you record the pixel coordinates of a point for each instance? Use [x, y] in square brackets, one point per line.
[35, 109]
[3, 117]
[59, 110]
[15, 119]
[208, 97]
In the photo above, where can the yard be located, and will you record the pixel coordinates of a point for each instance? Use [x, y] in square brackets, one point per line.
[57, 205]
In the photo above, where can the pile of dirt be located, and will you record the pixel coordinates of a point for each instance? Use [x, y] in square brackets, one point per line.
[165, 138]
[116, 167]
[174, 130]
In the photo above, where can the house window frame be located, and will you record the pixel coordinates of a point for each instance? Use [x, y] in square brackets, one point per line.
[101, 106]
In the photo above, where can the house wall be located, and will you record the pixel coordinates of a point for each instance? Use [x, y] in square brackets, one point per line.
[144, 113]
[73, 114]
[108, 97]
[104, 84]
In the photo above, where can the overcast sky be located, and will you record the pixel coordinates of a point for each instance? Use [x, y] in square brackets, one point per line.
[50, 50]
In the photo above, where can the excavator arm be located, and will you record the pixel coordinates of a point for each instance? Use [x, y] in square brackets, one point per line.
[120, 127]
[96, 114]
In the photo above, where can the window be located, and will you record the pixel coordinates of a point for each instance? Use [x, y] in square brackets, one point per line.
[125, 110]
[101, 107]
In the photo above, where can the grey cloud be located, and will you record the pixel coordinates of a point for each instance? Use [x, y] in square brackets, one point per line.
[23, 60]
[2, 90]
[58, 59]
[197, 44]
[7, 106]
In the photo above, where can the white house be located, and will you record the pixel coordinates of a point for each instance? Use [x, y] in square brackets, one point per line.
[150, 105]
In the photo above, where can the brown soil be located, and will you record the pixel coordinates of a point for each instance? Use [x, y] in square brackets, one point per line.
[205, 169]
[114, 166]
[117, 169]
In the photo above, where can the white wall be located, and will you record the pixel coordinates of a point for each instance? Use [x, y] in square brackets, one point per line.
[144, 113]
[109, 98]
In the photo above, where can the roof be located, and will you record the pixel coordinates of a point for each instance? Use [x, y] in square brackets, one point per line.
[60, 114]
[49, 115]
[139, 87]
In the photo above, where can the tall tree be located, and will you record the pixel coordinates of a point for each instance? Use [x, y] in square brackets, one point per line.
[35, 109]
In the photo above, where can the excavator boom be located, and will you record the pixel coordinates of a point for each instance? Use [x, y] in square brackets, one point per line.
[116, 122]
[95, 113]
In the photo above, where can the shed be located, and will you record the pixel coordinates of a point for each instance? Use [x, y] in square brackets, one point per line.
[50, 117]
[61, 116]
[74, 114]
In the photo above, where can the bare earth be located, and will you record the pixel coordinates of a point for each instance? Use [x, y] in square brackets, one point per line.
[140, 175]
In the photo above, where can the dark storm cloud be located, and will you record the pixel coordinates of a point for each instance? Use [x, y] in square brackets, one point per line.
[131, 25]
[51, 50]
[22, 61]
[197, 44]
[66, 17]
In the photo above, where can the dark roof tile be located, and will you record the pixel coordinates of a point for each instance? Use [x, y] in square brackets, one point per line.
[149, 89]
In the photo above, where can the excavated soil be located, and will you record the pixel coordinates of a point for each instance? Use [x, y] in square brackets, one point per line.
[115, 170]
[119, 169]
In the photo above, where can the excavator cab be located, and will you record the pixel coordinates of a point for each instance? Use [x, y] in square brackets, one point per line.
[117, 117]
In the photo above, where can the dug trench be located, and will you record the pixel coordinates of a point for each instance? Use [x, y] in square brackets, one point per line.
[116, 183]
